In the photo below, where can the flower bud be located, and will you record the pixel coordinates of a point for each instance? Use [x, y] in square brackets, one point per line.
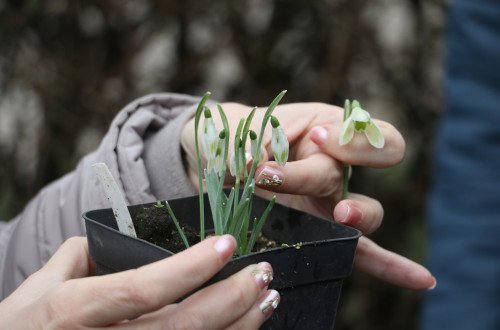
[253, 148]
[279, 142]
[209, 136]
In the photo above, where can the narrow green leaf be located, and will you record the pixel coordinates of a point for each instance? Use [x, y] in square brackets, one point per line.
[212, 182]
[227, 211]
[258, 227]
[181, 232]
[238, 217]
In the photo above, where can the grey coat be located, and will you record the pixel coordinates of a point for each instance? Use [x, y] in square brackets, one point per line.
[143, 152]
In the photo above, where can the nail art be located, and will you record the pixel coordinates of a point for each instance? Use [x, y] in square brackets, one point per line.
[263, 275]
[270, 177]
[270, 303]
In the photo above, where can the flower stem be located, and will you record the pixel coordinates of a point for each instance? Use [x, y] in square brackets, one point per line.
[176, 222]
[345, 185]
[199, 111]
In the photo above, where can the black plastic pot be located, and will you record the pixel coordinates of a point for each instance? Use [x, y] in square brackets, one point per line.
[309, 278]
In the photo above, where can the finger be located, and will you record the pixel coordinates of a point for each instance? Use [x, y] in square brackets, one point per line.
[238, 294]
[70, 261]
[359, 211]
[391, 267]
[109, 299]
[317, 175]
[259, 313]
[252, 319]
[359, 151]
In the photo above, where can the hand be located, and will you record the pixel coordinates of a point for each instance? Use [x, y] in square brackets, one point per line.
[312, 178]
[61, 295]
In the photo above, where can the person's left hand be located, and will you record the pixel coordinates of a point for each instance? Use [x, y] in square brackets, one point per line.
[311, 180]
[64, 294]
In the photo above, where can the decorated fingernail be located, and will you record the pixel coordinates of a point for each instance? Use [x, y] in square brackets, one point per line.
[263, 274]
[269, 303]
[270, 176]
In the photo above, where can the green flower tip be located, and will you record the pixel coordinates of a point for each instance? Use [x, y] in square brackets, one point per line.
[253, 135]
[274, 122]
[207, 113]
[222, 134]
[360, 121]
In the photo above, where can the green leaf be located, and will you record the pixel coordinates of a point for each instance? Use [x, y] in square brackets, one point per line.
[257, 228]
[226, 214]
[181, 232]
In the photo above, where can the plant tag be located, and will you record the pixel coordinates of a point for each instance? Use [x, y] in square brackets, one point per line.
[115, 197]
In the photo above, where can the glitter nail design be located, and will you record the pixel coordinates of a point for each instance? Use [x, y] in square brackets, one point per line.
[270, 181]
[263, 276]
[270, 303]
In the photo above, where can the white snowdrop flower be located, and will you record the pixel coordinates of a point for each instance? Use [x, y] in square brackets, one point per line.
[360, 121]
[219, 162]
[279, 142]
[209, 136]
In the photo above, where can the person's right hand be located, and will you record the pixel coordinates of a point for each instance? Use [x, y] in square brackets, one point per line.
[60, 295]
[311, 180]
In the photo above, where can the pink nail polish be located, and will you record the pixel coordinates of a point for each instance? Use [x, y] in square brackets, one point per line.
[263, 274]
[270, 176]
[269, 303]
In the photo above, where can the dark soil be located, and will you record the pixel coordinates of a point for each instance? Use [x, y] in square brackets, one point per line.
[154, 224]
[263, 243]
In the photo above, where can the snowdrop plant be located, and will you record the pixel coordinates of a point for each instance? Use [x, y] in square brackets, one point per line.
[231, 212]
[357, 120]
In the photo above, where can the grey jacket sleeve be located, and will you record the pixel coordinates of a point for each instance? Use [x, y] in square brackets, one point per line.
[141, 144]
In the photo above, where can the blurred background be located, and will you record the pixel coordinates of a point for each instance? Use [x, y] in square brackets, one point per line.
[67, 67]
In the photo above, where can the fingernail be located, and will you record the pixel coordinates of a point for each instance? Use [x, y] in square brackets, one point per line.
[433, 286]
[341, 213]
[263, 274]
[225, 246]
[269, 303]
[270, 176]
[319, 135]
[346, 213]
